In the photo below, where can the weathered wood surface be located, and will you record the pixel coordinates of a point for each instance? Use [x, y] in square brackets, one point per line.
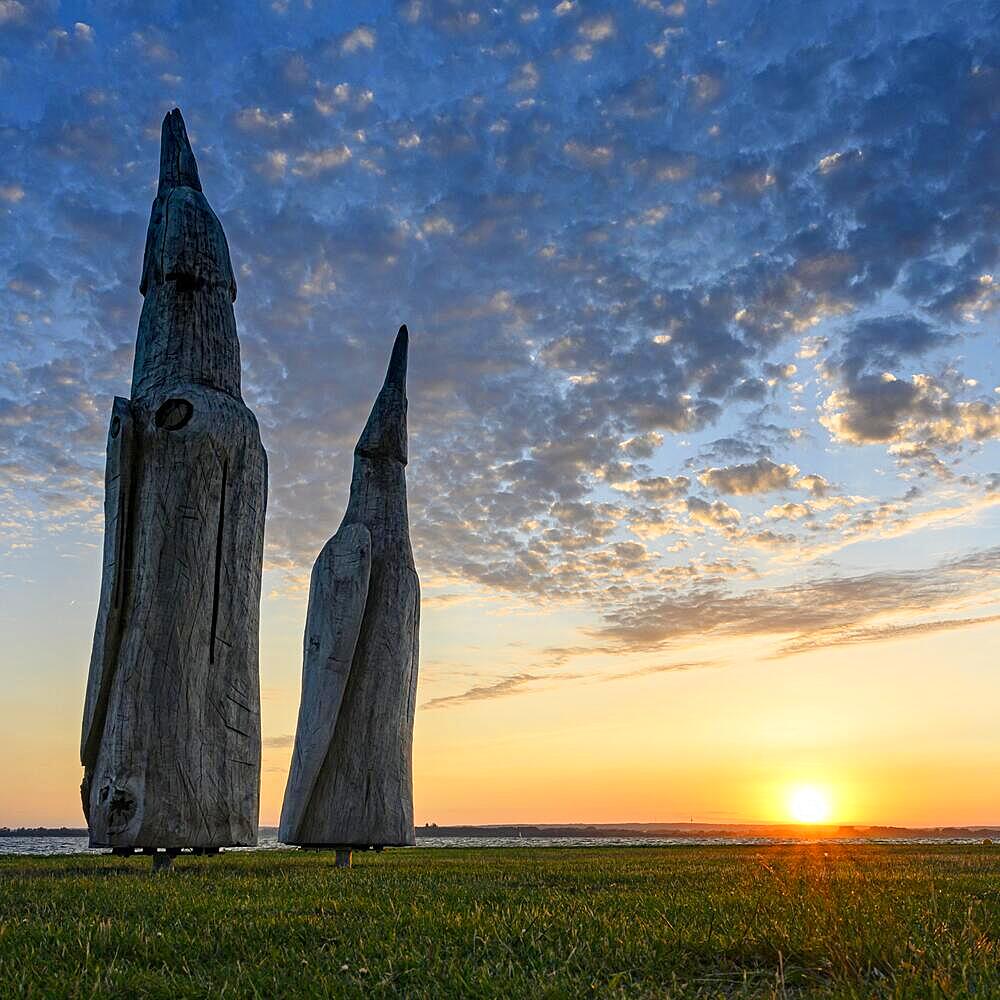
[338, 592]
[351, 784]
[171, 729]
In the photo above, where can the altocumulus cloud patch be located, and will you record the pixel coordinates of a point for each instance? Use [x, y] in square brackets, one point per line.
[680, 276]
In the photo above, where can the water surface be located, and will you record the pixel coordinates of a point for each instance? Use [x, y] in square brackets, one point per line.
[269, 842]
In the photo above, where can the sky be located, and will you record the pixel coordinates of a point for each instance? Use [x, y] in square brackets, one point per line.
[704, 392]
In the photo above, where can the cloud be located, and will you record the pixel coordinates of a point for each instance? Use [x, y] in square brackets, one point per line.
[12, 12]
[918, 413]
[706, 88]
[661, 668]
[612, 297]
[359, 39]
[881, 633]
[321, 160]
[254, 119]
[762, 476]
[656, 487]
[789, 512]
[718, 514]
[512, 684]
[815, 484]
[525, 78]
[642, 445]
[24, 18]
[806, 615]
[595, 155]
[597, 29]
[526, 683]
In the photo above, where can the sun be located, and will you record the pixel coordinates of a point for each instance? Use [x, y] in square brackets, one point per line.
[809, 804]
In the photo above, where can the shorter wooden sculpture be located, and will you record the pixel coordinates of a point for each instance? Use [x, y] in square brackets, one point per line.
[350, 784]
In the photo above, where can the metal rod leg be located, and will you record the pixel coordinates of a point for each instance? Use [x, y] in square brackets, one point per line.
[162, 862]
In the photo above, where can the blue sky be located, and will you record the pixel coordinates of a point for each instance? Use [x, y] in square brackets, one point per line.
[702, 300]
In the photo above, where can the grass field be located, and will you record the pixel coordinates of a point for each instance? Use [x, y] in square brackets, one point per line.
[905, 922]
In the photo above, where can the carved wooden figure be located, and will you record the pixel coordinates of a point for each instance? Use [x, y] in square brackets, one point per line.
[350, 784]
[171, 727]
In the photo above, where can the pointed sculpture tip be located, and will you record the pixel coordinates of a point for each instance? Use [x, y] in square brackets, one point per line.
[178, 167]
[396, 373]
[384, 435]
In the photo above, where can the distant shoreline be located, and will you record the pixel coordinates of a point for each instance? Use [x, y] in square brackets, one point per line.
[651, 830]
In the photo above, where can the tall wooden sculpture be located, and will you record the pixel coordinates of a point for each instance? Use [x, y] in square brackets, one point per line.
[171, 725]
[350, 784]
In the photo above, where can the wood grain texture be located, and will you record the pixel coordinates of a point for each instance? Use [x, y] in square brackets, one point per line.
[171, 737]
[338, 591]
[361, 725]
[107, 635]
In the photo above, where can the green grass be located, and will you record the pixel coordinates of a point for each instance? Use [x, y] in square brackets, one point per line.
[903, 922]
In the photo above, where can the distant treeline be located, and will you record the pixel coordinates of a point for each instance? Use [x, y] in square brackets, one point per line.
[549, 831]
[698, 830]
[651, 830]
[42, 831]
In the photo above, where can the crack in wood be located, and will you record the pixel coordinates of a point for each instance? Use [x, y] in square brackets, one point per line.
[219, 538]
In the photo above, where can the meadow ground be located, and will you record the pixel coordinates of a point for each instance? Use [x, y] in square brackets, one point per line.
[816, 921]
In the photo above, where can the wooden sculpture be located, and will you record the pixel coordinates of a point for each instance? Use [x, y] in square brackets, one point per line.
[350, 784]
[171, 726]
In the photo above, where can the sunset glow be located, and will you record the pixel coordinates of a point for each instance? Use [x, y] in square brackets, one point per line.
[810, 804]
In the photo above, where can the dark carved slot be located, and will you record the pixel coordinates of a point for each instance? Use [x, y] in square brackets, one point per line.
[173, 414]
[120, 568]
[126, 520]
[218, 561]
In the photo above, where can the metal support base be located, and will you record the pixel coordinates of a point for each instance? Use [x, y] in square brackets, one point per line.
[162, 861]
